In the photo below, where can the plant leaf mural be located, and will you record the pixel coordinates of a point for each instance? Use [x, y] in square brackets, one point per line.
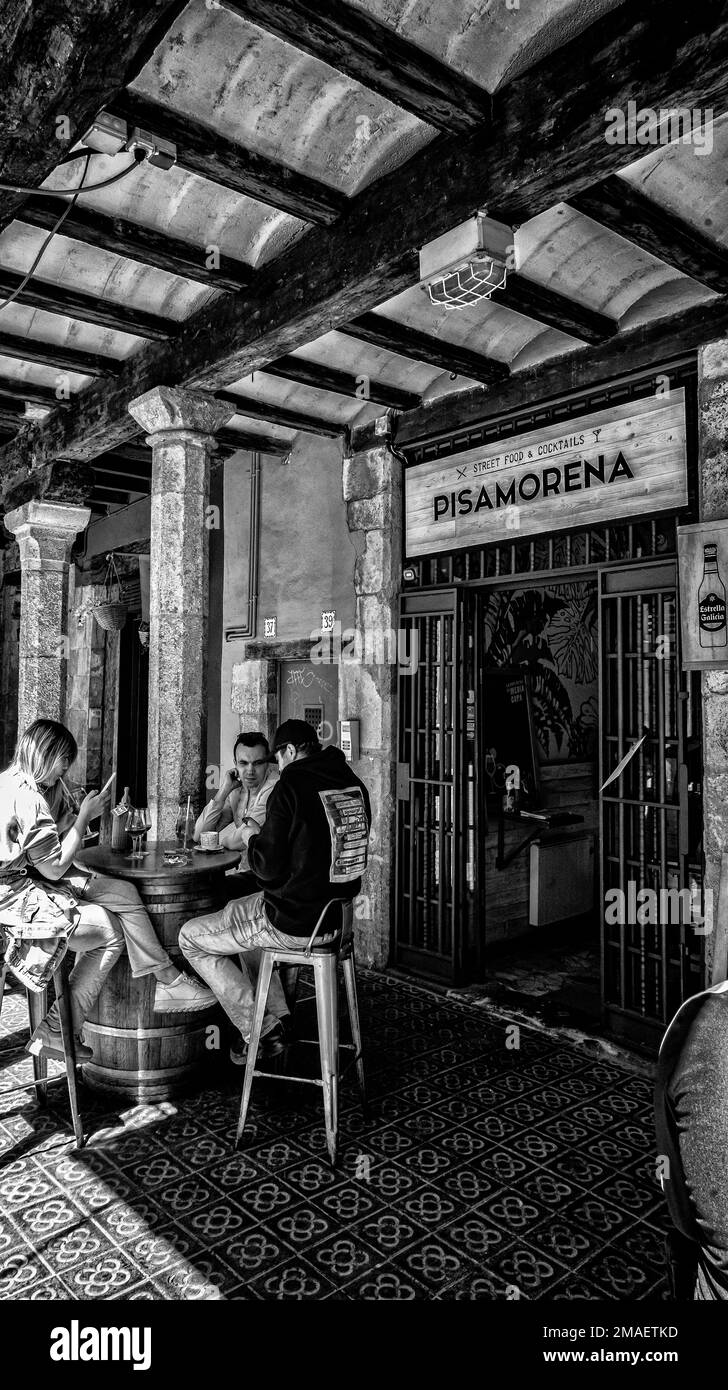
[553, 631]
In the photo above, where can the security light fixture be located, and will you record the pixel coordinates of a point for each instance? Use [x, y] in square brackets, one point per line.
[467, 263]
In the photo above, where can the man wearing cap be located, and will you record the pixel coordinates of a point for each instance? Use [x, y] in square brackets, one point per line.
[311, 848]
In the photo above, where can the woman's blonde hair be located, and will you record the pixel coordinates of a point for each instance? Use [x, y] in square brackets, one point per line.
[43, 742]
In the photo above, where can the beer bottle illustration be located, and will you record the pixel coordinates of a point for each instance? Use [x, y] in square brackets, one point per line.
[711, 602]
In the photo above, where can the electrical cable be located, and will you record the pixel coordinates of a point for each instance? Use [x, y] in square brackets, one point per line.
[59, 223]
[139, 157]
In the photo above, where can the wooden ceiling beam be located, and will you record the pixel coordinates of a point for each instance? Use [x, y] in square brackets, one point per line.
[229, 441]
[208, 154]
[554, 310]
[322, 378]
[374, 54]
[69, 60]
[144, 245]
[23, 390]
[545, 144]
[641, 350]
[251, 409]
[619, 207]
[88, 308]
[407, 342]
[65, 359]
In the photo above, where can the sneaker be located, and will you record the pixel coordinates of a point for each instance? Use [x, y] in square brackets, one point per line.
[48, 1041]
[183, 995]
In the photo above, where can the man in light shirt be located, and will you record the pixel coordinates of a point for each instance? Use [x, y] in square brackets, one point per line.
[238, 809]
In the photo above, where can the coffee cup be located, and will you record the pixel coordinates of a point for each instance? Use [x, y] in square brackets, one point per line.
[209, 839]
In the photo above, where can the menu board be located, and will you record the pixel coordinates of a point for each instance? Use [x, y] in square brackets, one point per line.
[510, 735]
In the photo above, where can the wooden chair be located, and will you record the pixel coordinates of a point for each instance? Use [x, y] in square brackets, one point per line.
[37, 1009]
[325, 958]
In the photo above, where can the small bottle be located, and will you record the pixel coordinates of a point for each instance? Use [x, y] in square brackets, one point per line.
[119, 817]
[712, 602]
[189, 831]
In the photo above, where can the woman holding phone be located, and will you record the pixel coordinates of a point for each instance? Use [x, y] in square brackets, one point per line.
[40, 833]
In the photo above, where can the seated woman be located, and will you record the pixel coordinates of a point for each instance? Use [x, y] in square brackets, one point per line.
[39, 882]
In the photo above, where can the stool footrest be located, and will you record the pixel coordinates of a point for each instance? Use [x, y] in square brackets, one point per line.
[284, 1076]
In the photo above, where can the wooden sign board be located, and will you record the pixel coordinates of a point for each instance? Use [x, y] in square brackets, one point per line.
[510, 735]
[702, 556]
[621, 462]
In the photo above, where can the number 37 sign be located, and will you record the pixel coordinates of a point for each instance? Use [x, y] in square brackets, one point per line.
[703, 566]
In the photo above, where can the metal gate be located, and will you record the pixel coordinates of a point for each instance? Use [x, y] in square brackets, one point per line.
[430, 788]
[650, 815]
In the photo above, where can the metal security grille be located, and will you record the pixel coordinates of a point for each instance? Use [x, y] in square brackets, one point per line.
[651, 814]
[429, 788]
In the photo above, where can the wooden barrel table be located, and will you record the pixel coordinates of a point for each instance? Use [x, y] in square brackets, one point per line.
[137, 1052]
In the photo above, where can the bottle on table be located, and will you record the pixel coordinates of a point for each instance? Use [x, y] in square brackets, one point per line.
[119, 818]
[185, 826]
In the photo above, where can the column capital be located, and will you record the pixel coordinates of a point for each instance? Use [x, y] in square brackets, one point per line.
[58, 521]
[171, 410]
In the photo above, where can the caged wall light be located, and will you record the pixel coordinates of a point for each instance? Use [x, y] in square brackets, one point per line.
[467, 263]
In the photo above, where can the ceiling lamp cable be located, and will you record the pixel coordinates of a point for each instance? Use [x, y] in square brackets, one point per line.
[74, 193]
[140, 156]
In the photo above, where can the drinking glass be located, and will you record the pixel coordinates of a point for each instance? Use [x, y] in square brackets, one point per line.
[137, 827]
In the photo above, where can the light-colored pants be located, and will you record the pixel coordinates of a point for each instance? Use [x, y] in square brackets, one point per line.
[209, 944]
[97, 940]
[121, 899]
[111, 915]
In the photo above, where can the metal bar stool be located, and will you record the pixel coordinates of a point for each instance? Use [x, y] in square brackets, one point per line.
[324, 957]
[37, 1009]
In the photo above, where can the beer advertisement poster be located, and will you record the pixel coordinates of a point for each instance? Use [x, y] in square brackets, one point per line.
[703, 565]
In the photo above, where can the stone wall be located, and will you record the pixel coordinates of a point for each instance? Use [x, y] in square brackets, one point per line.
[373, 492]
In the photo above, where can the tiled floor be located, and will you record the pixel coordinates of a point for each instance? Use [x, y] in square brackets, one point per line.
[497, 1164]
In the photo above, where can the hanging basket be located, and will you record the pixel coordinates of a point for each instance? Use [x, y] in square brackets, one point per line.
[111, 612]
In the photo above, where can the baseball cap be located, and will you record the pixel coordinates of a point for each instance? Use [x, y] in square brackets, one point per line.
[295, 731]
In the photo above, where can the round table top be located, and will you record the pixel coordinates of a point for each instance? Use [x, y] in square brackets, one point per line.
[152, 865]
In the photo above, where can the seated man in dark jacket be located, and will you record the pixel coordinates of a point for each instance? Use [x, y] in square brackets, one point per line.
[312, 848]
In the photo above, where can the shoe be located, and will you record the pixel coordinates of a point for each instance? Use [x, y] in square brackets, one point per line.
[183, 995]
[269, 1047]
[48, 1041]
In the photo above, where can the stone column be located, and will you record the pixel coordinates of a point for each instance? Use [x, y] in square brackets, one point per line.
[45, 533]
[373, 492]
[713, 493]
[181, 426]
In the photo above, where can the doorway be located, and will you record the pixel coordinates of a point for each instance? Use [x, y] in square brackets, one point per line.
[601, 649]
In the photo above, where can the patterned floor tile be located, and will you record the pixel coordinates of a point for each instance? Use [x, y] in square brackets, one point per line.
[217, 1221]
[105, 1275]
[348, 1202]
[389, 1231]
[484, 1172]
[40, 1221]
[434, 1262]
[527, 1272]
[186, 1195]
[388, 1284]
[297, 1281]
[593, 1213]
[473, 1288]
[202, 1280]
[344, 1256]
[618, 1275]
